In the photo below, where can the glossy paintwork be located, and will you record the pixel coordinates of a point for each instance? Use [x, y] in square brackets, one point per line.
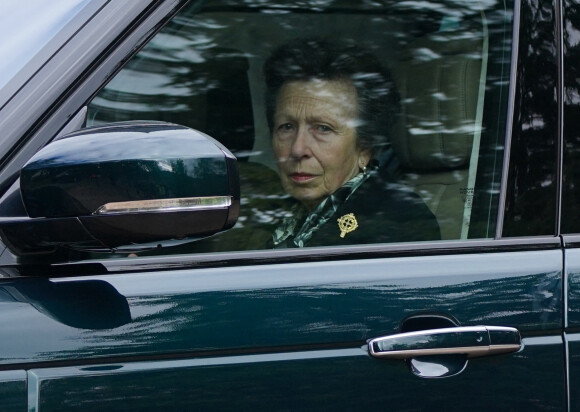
[343, 379]
[66, 184]
[13, 392]
[292, 312]
[122, 162]
[206, 309]
[573, 287]
[573, 340]
[572, 264]
[85, 304]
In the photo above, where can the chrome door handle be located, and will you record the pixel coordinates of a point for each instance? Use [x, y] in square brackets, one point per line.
[472, 341]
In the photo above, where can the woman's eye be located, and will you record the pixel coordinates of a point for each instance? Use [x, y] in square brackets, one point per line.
[285, 127]
[322, 128]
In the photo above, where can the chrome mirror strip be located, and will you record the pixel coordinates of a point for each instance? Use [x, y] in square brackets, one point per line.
[165, 205]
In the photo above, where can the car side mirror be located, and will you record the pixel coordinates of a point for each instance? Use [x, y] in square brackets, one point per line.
[121, 184]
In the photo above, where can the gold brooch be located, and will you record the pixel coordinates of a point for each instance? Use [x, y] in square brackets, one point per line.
[347, 224]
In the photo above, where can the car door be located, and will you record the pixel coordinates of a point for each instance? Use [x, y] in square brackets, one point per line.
[223, 323]
[569, 219]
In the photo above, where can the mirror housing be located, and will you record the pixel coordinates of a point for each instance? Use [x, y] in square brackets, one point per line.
[121, 184]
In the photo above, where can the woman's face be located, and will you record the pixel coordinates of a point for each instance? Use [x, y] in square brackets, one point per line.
[314, 138]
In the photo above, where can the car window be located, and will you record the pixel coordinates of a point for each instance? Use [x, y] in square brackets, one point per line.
[570, 219]
[352, 122]
[532, 185]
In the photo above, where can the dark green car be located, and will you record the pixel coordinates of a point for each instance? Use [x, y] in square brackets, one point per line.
[143, 195]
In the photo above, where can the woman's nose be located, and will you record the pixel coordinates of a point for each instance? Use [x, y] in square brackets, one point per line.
[300, 144]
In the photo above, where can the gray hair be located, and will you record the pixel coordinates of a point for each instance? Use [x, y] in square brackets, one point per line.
[309, 59]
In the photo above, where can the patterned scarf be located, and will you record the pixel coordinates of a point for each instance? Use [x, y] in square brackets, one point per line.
[282, 236]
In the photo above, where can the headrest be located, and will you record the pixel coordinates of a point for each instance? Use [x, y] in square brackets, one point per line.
[209, 91]
[439, 82]
[229, 113]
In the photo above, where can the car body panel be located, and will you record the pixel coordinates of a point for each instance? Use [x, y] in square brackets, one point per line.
[573, 347]
[572, 335]
[13, 391]
[295, 319]
[310, 380]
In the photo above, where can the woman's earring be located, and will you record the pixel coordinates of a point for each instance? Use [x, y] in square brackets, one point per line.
[363, 168]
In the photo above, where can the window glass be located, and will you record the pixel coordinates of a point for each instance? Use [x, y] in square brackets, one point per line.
[531, 193]
[353, 122]
[571, 182]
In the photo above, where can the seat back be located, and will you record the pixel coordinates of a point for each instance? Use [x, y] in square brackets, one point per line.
[442, 82]
[209, 92]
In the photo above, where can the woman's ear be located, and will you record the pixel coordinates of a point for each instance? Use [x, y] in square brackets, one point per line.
[364, 158]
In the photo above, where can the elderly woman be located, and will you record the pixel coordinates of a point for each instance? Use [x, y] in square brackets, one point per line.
[330, 108]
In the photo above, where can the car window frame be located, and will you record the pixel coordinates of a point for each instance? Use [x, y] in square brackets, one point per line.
[25, 73]
[509, 197]
[103, 71]
[54, 94]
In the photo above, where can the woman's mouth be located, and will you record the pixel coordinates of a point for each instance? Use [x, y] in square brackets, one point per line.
[301, 177]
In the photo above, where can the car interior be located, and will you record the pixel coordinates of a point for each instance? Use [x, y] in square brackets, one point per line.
[441, 77]
[205, 72]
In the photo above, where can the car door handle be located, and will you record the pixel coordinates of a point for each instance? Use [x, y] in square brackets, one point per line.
[472, 341]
